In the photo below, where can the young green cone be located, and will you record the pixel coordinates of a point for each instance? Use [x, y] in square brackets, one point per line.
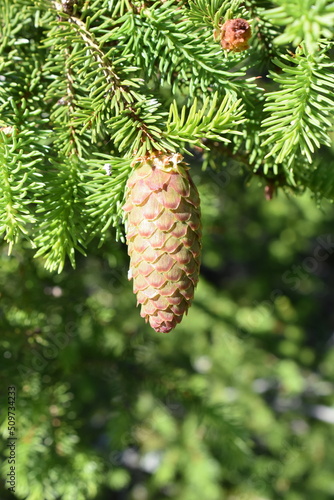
[164, 238]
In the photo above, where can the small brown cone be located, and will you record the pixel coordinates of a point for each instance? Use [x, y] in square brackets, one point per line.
[164, 238]
[235, 34]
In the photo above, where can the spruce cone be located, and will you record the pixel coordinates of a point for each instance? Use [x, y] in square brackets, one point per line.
[163, 237]
[235, 34]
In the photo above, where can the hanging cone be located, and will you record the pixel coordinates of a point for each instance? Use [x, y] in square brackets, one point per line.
[164, 238]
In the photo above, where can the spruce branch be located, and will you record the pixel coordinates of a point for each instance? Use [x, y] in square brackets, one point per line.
[212, 121]
[64, 227]
[213, 13]
[70, 92]
[66, 139]
[301, 112]
[163, 33]
[19, 181]
[265, 33]
[104, 63]
[104, 182]
[115, 101]
[306, 21]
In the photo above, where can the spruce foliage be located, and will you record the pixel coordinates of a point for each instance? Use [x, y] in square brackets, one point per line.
[91, 83]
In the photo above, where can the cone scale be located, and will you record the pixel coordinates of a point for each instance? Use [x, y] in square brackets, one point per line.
[163, 235]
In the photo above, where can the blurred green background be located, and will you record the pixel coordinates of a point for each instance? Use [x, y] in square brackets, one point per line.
[235, 403]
